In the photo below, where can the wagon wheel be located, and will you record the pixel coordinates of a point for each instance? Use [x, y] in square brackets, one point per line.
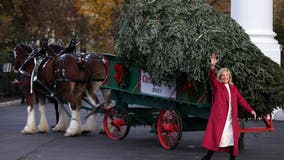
[116, 123]
[169, 128]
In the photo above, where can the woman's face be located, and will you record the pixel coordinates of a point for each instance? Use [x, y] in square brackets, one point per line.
[225, 77]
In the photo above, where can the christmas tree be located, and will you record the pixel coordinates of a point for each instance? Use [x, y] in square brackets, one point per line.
[168, 37]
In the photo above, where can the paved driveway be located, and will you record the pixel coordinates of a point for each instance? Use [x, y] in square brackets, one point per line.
[140, 144]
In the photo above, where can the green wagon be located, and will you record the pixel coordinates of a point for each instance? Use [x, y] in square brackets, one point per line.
[182, 108]
[168, 115]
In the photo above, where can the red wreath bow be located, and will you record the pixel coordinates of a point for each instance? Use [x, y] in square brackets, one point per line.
[186, 86]
[118, 72]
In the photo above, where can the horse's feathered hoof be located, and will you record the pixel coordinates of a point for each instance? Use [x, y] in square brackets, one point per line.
[43, 130]
[58, 128]
[28, 131]
[73, 131]
[69, 133]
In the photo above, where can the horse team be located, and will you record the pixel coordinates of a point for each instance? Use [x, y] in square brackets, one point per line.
[58, 72]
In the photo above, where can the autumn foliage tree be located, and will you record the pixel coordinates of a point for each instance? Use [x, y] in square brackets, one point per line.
[6, 18]
[36, 17]
[101, 15]
[220, 5]
[92, 20]
[26, 21]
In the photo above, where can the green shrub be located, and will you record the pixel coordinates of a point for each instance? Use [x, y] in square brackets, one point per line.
[7, 89]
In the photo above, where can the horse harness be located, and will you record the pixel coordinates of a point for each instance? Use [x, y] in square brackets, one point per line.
[37, 58]
[41, 60]
[99, 58]
[83, 62]
[60, 72]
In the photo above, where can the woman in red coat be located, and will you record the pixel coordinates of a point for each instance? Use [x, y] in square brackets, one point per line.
[222, 129]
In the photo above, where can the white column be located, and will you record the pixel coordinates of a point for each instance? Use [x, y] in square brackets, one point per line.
[256, 17]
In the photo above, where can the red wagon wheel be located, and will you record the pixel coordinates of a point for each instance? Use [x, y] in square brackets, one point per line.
[169, 128]
[116, 123]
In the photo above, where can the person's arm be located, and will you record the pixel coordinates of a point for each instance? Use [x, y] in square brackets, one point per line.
[213, 78]
[243, 102]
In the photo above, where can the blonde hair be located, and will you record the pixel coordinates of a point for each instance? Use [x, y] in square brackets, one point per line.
[224, 70]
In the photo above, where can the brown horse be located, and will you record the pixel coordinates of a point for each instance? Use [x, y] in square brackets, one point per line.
[98, 74]
[25, 67]
[70, 74]
[97, 67]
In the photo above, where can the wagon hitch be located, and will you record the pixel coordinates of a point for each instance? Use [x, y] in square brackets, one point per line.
[100, 106]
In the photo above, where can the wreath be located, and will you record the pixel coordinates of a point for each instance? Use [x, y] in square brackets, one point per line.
[121, 75]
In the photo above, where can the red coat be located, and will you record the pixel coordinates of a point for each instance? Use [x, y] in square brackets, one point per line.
[218, 114]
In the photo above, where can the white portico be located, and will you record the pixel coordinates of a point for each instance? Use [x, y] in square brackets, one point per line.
[256, 17]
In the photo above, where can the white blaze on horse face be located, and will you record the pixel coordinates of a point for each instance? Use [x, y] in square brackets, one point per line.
[61, 126]
[43, 124]
[75, 123]
[30, 127]
[14, 53]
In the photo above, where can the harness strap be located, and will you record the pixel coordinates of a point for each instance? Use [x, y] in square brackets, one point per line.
[60, 71]
[64, 79]
[106, 63]
[24, 73]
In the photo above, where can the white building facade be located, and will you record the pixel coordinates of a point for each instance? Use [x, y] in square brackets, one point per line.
[256, 17]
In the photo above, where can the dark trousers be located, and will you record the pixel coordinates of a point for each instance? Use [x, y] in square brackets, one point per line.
[210, 154]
